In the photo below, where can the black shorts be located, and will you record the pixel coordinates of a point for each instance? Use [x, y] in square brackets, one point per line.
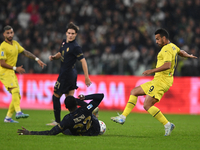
[66, 83]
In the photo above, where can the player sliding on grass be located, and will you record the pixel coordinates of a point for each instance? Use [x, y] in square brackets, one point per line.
[163, 79]
[80, 121]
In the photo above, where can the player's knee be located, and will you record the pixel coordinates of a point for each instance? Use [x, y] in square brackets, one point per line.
[133, 92]
[146, 107]
[15, 90]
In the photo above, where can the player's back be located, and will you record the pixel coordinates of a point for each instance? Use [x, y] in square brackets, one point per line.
[81, 121]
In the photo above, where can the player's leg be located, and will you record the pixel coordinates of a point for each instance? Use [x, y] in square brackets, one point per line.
[10, 112]
[137, 91]
[16, 103]
[57, 107]
[157, 114]
[71, 93]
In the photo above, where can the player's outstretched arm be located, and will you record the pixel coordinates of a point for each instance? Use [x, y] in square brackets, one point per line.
[185, 54]
[23, 131]
[85, 70]
[32, 56]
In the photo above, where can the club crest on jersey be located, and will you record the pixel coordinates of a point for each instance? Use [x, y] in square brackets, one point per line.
[89, 106]
[67, 49]
[2, 53]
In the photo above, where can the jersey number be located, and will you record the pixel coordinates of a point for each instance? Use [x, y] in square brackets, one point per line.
[86, 122]
[57, 85]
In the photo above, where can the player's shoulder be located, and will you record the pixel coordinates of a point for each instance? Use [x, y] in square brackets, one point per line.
[3, 43]
[75, 44]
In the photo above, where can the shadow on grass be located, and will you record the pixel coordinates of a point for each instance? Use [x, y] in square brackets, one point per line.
[128, 136]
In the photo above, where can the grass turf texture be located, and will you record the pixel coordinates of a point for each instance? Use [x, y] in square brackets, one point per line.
[140, 131]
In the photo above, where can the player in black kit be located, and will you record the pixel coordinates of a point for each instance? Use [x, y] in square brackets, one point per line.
[80, 121]
[69, 52]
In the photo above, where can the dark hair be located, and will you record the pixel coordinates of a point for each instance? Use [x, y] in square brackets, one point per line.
[71, 25]
[7, 28]
[162, 33]
[70, 102]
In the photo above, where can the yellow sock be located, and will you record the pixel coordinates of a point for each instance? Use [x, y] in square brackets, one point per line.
[11, 110]
[130, 105]
[156, 113]
[16, 101]
[14, 105]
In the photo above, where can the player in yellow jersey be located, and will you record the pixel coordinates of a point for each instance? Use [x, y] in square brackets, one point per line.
[9, 50]
[163, 79]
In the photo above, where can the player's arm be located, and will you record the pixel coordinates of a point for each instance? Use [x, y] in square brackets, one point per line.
[32, 56]
[17, 69]
[165, 66]
[85, 70]
[54, 131]
[96, 100]
[54, 57]
[183, 53]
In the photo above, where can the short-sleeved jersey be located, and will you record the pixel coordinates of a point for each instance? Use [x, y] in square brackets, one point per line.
[168, 53]
[70, 52]
[9, 52]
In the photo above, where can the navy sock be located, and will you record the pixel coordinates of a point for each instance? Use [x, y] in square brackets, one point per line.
[57, 108]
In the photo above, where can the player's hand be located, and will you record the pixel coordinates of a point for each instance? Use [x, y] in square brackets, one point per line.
[192, 56]
[51, 57]
[81, 97]
[147, 72]
[20, 69]
[23, 131]
[88, 82]
[41, 63]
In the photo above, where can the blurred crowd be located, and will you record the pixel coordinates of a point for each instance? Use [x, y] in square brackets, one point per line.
[116, 36]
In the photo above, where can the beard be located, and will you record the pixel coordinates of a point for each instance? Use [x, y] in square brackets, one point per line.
[9, 39]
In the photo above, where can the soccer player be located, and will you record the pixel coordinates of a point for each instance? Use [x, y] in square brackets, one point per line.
[80, 121]
[163, 79]
[69, 53]
[9, 50]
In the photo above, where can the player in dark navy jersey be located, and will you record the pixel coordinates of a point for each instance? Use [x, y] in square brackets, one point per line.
[69, 53]
[80, 121]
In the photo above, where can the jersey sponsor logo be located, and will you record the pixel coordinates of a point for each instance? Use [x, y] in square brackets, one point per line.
[67, 49]
[2, 53]
[89, 106]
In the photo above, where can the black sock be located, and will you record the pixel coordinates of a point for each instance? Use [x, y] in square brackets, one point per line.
[57, 108]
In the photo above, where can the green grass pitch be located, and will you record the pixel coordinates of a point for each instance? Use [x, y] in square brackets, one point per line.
[140, 131]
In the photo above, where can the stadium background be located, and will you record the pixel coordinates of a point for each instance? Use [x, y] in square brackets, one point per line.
[117, 37]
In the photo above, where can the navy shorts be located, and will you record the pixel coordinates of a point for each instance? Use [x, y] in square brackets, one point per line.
[66, 83]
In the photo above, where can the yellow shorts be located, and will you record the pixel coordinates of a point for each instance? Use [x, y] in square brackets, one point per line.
[155, 88]
[9, 80]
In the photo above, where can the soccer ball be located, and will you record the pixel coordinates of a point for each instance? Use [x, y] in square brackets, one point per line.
[102, 127]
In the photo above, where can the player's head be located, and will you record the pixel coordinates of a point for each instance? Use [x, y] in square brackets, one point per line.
[70, 103]
[162, 37]
[71, 31]
[8, 33]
